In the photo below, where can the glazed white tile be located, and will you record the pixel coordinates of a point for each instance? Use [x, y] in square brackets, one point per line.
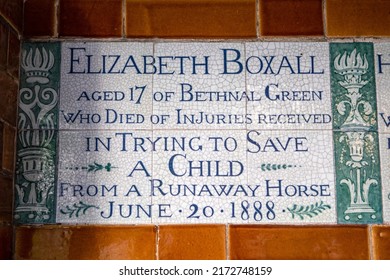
[198, 201]
[384, 146]
[114, 110]
[78, 169]
[186, 108]
[291, 161]
[281, 108]
[382, 77]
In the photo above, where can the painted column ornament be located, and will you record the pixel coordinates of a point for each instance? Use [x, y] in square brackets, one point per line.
[355, 129]
[36, 124]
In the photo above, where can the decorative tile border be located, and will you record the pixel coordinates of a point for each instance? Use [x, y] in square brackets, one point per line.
[35, 189]
[197, 132]
[354, 116]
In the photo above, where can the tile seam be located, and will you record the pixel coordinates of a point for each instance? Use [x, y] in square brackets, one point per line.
[14, 79]
[56, 18]
[7, 123]
[257, 11]
[124, 18]
[297, 39]
[227, 238]
[11, 25]
[157, 255]
[324, 19]
[370, 242]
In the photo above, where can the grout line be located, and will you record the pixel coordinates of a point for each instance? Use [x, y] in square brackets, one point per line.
[56, 18]
[227, 243]
[4, 19]
[370, 243]
[157, 241]
[124, 18]
[285, 39]
[324, 19]
[258, 19]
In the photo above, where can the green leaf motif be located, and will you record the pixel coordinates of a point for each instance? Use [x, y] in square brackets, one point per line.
[76, 210]
[273, 166]
[93, 167]
[310, 211]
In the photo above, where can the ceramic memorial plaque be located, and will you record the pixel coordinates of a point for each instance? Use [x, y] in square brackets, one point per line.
[203, 132]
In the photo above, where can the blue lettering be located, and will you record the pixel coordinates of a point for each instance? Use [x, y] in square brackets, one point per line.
[235, 60]
[73, 60]
[380, 64]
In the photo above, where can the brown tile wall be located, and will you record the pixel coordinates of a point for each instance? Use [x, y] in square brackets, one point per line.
[298, 242]
[350, 18]
[12, 12]
[187, 242]
[191, 18]
[6, 233]
[381, 242]
[88, 242]
[224, 19]
[291, 18]
[206, 19]
[39, 18]
[11, 26]
[90, 18]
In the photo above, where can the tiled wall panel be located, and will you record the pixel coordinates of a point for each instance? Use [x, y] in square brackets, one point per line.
[137, 129]
[197, 19]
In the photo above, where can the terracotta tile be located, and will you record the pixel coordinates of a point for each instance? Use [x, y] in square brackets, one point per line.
[8, 93]
[358, 18]
[191, 18]
[189, 242]
[3, 45]
[91, 18]
[85, 242]
[6, 190]
[291, 18]
[300, 242]
[13, 55]
[381, 242]
[7, 162]
[5, 242]
[12, 10]
[39, 17]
